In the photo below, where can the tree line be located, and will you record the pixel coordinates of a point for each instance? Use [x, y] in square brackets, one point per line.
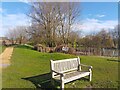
[95, 43]
[88, 43]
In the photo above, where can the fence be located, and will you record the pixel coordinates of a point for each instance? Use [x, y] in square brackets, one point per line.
[99, 52]
[110, 52]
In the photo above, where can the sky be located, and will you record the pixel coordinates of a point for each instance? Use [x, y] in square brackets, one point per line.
[94, 16]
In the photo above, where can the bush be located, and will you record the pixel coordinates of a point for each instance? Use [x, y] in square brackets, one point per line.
[58, 48]
[71, 50]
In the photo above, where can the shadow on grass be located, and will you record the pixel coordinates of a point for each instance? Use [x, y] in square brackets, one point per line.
[42, 81]
[113, 60]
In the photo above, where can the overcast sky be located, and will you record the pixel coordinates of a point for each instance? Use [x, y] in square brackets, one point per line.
[94, 16]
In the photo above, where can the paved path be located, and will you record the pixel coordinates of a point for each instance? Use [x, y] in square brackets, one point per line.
[5, 57]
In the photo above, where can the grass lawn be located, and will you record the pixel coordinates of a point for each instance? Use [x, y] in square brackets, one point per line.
[30, 69]
[2, 48]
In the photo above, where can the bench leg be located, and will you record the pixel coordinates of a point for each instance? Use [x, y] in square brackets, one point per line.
[90, 77]
[62, 86]
[52, 81]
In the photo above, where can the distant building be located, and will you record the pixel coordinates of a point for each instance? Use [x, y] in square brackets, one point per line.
[5, 41]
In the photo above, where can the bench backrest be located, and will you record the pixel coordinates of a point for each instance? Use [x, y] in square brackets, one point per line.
[65, 65]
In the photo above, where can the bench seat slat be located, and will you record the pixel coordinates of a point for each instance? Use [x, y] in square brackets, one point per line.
[72, 76]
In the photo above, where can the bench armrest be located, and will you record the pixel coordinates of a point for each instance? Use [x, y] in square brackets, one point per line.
[90, 67]
[61, 74]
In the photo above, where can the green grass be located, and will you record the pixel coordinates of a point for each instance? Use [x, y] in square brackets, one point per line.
[2, 48]
[28, 67]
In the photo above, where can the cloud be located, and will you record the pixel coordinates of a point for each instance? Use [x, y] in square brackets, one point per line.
[87, 25]
[13, 20]
[25, 1]
[94, 25]
[1, 10]
[100, 15]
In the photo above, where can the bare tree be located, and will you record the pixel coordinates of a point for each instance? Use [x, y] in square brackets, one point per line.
[17, 35]
[73, 15]
[12, 35]
[55, 20]
[45, 15]
[114, 35]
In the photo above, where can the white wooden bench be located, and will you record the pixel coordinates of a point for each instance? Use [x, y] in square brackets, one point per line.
[68, 70]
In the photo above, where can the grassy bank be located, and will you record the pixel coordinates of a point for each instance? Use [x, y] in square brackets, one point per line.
[30, 69]
[2, 48]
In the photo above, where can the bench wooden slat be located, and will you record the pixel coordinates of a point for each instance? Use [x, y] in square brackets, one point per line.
[72, 76]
